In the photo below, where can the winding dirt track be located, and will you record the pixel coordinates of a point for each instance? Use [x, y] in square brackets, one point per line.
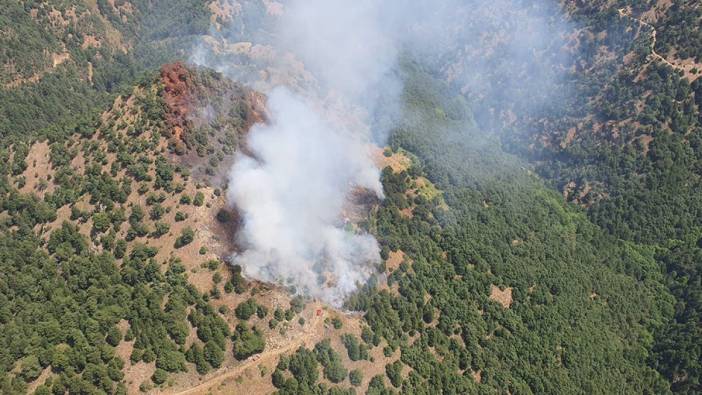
[312, 334]
[656, 55]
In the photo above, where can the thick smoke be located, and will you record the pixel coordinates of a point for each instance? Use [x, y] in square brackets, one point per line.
[350, 48]
[303, 164]
[314, 151]
[292, 195]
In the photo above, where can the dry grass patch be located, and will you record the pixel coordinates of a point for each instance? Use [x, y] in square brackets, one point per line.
[397, 161]
[394, 260]
[503, 297]
[45, 374]
[38, 173]
[477, 376]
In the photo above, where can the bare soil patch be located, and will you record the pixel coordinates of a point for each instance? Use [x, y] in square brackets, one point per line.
[39, 171]
[274, 8]
[394, 260]
[45, 374]
[503, 297]
[397, 161]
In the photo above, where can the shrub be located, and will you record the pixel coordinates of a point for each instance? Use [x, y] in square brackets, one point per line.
[159, 376]
[247, 342]
[212, 264]
[162, 228]
[224, 216]
[355, 377]
[246, 309]
[336, 322]
[186, 237]
[199, 199]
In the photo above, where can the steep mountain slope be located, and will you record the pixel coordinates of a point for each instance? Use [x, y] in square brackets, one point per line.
[114, 241]
[119, 287]
[626, 147]
[508, 283]
[60, 59]
[620, 137]
[114, 229]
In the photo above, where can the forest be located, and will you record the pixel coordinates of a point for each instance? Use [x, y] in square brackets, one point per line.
[558, 252]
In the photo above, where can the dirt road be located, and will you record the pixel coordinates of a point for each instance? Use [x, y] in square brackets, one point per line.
[623, 13]
[312, 333]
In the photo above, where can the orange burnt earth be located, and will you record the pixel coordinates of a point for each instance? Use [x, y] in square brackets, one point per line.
[177, 95]
[183, 94]
[257, 105]
[207, 115]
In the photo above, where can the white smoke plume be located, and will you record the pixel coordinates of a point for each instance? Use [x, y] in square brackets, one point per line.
[291, 195]
[350, 47]
[311, 154]
[314, 150]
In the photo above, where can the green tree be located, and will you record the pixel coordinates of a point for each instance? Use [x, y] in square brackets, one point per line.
[355, 377]
[159, 377]
[394, 373]
[186, 237]
[334, 369]
[247, 342]
[101, 222]
[31, 369]
[114, 336]
[199, 199]
[213, 354]
[246, 309]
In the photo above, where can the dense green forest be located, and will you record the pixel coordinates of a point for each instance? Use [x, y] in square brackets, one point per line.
[633, 160]
[586, 305]
[620, 138]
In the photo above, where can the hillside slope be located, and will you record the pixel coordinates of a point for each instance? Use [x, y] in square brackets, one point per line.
[114, 240]
[549, 248]
[61, 60]
[509, 286]
[626, 146]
